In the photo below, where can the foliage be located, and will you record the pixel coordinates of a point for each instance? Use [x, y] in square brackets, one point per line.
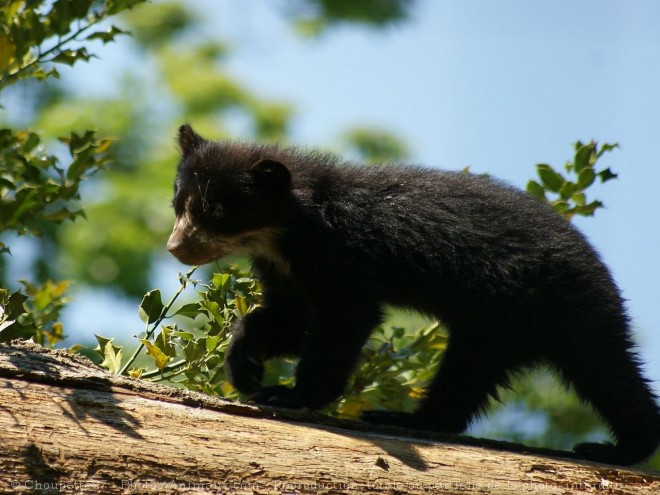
[15, 321]
[376, 146]
[36, 192]
[395, 367]
[35, 34]
[392, 374]
[312, 18]
[566, 196]
[190, 357]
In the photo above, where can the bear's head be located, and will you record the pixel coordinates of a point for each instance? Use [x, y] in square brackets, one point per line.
[229, 198]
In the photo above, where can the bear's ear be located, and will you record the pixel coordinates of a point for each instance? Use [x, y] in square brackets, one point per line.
[273, 173]
[189, 140]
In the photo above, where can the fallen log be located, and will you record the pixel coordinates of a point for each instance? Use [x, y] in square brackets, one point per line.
[67, 426]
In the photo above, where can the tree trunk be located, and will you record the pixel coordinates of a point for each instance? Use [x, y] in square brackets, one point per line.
[69, 427]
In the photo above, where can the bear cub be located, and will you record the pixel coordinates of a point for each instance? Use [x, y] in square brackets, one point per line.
[514, 283]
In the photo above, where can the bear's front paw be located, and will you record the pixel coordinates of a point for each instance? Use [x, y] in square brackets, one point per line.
[243, 369]
[389, 418]
[279, 396]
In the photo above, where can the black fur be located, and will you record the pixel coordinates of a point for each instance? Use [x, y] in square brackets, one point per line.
[515, 284]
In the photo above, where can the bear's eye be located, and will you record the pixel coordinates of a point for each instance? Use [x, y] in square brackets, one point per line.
[218, 210]
[177, 204]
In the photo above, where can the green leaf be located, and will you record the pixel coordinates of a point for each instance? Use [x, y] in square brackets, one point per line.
[195, 350]
[15, 330]
[560, 206]
[84, 161]
[110, 353]
[14, 305]
[606, 148]
[588, 210]
[222, 281]
[212, 309]
[159, 356]
[241, 306]
[77, 142]
[107, 35]
[567, 189]
[47, 294]
[30, 142]
[102, 342]
[163, 341]
[586, 177]
[115, 6]
[61, 214]
[579, 199]
[212, 343]
[183, 335]
[551, 180]
[536, 189]
[104, 145]
[70, 57]
[583, 157]
[184, 279]
[151, 306]
[136, 372]
[61, 17]
[79, 8]
[606, 175]
[191, 311]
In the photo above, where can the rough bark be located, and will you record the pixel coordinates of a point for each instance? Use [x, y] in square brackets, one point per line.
[69, 427]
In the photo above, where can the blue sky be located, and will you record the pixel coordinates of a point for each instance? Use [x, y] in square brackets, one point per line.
[494, 85]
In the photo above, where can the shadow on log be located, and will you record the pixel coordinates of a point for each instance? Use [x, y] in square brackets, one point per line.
[67, 426]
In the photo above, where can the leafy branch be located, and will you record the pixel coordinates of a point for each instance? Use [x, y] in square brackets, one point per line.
[568, 196]
[192, 357]
[37, 193]
[68, 57]
[24, 29]
[153, 312]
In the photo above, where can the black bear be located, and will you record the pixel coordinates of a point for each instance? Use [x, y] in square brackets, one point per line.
[514, 283]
